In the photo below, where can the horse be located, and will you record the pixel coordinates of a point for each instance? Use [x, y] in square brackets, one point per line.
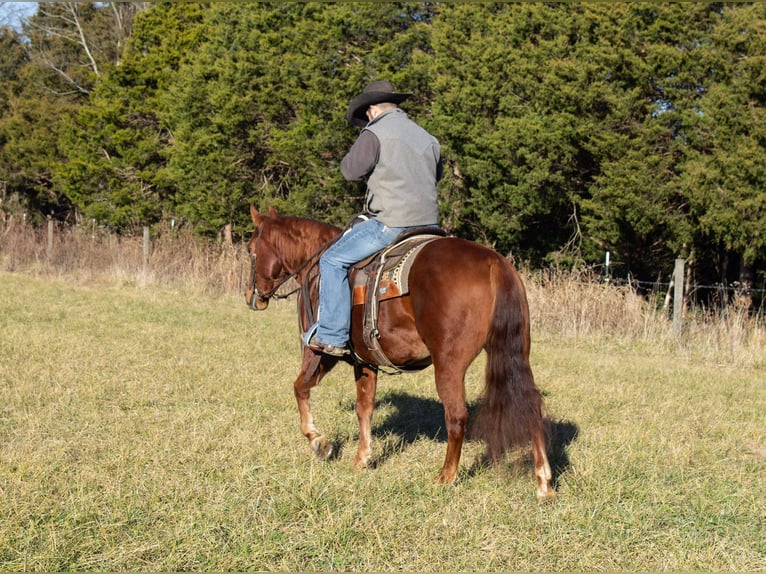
[463, 298]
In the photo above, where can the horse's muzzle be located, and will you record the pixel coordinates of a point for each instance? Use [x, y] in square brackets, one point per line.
[254, 301]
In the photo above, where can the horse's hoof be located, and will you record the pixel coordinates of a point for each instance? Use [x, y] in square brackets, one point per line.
[322, 447]
[445, 478]
[546, 497]
[361, 463]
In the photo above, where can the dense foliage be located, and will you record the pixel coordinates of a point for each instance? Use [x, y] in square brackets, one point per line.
[568, 130]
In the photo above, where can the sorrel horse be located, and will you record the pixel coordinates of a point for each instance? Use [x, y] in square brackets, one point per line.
[462, 298]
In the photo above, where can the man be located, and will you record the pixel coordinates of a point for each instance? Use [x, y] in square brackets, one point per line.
[401, 163]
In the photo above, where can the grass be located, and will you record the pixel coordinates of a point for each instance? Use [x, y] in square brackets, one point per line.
[154, 428]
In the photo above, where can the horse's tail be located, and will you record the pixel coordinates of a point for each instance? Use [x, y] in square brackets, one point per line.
[511, 409]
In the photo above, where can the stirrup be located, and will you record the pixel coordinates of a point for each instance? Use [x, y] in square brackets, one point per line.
[310, 332]
[334, 351]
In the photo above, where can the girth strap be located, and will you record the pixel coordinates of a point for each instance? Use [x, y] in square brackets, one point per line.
[370, 333]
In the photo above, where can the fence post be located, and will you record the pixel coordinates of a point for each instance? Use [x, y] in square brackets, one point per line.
[678, 296]
[146, 249]
[49, 251]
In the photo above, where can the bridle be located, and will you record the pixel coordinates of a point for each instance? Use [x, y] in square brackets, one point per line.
[253, 278]
[281, 280]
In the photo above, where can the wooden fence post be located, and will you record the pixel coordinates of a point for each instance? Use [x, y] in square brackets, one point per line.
[678, 296]
[49, 250]
[146, 249]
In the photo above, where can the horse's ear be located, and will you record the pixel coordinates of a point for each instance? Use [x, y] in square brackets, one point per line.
[257, 217]
[272, 211]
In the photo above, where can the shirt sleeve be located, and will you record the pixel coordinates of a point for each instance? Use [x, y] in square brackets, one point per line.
[362, 158]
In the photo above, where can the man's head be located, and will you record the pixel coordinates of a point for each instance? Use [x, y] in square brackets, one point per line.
[374, 110]
[374, 100]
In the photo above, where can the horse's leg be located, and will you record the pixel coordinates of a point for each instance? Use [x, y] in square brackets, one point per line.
[543, 474]
[450, 386]
[321, 446]
[452, 351]
[366, 384]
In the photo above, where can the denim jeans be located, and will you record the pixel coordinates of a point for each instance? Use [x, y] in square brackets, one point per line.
[361, 241]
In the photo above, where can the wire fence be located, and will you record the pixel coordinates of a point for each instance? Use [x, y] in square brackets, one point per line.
[713, 297]
[50, 239]
[733, 288]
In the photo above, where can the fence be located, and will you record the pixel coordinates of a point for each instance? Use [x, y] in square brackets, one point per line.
[173, 257]
[682, 293]
[162, 256]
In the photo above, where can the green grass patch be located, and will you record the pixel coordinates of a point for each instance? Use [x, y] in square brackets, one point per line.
[157, 430]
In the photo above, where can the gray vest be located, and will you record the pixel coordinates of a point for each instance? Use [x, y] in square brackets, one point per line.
[401, 191]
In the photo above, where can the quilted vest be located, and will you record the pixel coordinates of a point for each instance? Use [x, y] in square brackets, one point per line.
[401, 191]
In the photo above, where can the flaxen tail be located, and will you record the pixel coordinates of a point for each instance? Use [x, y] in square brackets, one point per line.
[511, 409]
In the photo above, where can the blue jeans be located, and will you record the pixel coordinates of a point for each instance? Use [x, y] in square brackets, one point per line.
[361, 241]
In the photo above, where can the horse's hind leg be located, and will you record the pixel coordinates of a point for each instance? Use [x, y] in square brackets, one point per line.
[543, 474]
[310, 375]
[536, 427]
[451, 389]
[366, 384]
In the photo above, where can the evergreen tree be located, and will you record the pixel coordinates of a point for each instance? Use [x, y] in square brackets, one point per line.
[568, 129]
[66, 48]
[516, 108]
[117, 144]
[28, 118]
[724, 178]
[259, 115]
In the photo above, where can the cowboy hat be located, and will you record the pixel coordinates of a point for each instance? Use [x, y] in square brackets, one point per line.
[376, 92]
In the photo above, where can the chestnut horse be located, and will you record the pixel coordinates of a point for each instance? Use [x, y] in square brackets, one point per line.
[462, 298]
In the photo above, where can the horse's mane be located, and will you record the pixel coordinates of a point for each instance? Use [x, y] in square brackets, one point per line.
[298, 238]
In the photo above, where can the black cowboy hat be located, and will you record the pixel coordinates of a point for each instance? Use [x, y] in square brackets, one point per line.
[376, 92]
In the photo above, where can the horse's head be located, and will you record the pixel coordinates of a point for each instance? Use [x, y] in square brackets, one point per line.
[282, 249]
[266, 267]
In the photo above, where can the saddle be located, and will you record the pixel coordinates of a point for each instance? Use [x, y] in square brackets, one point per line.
[384, 275]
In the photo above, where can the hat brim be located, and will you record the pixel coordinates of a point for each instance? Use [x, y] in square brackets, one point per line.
[357, 109]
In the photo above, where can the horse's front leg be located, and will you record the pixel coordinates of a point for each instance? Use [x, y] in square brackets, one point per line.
[366, 385]
[313, 369]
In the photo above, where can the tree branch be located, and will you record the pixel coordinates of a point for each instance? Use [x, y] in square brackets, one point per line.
[72, 6]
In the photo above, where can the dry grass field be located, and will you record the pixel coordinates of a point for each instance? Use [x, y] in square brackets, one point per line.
[147, 423]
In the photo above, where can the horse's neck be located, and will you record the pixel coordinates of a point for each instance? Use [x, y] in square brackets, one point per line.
[298, 248]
